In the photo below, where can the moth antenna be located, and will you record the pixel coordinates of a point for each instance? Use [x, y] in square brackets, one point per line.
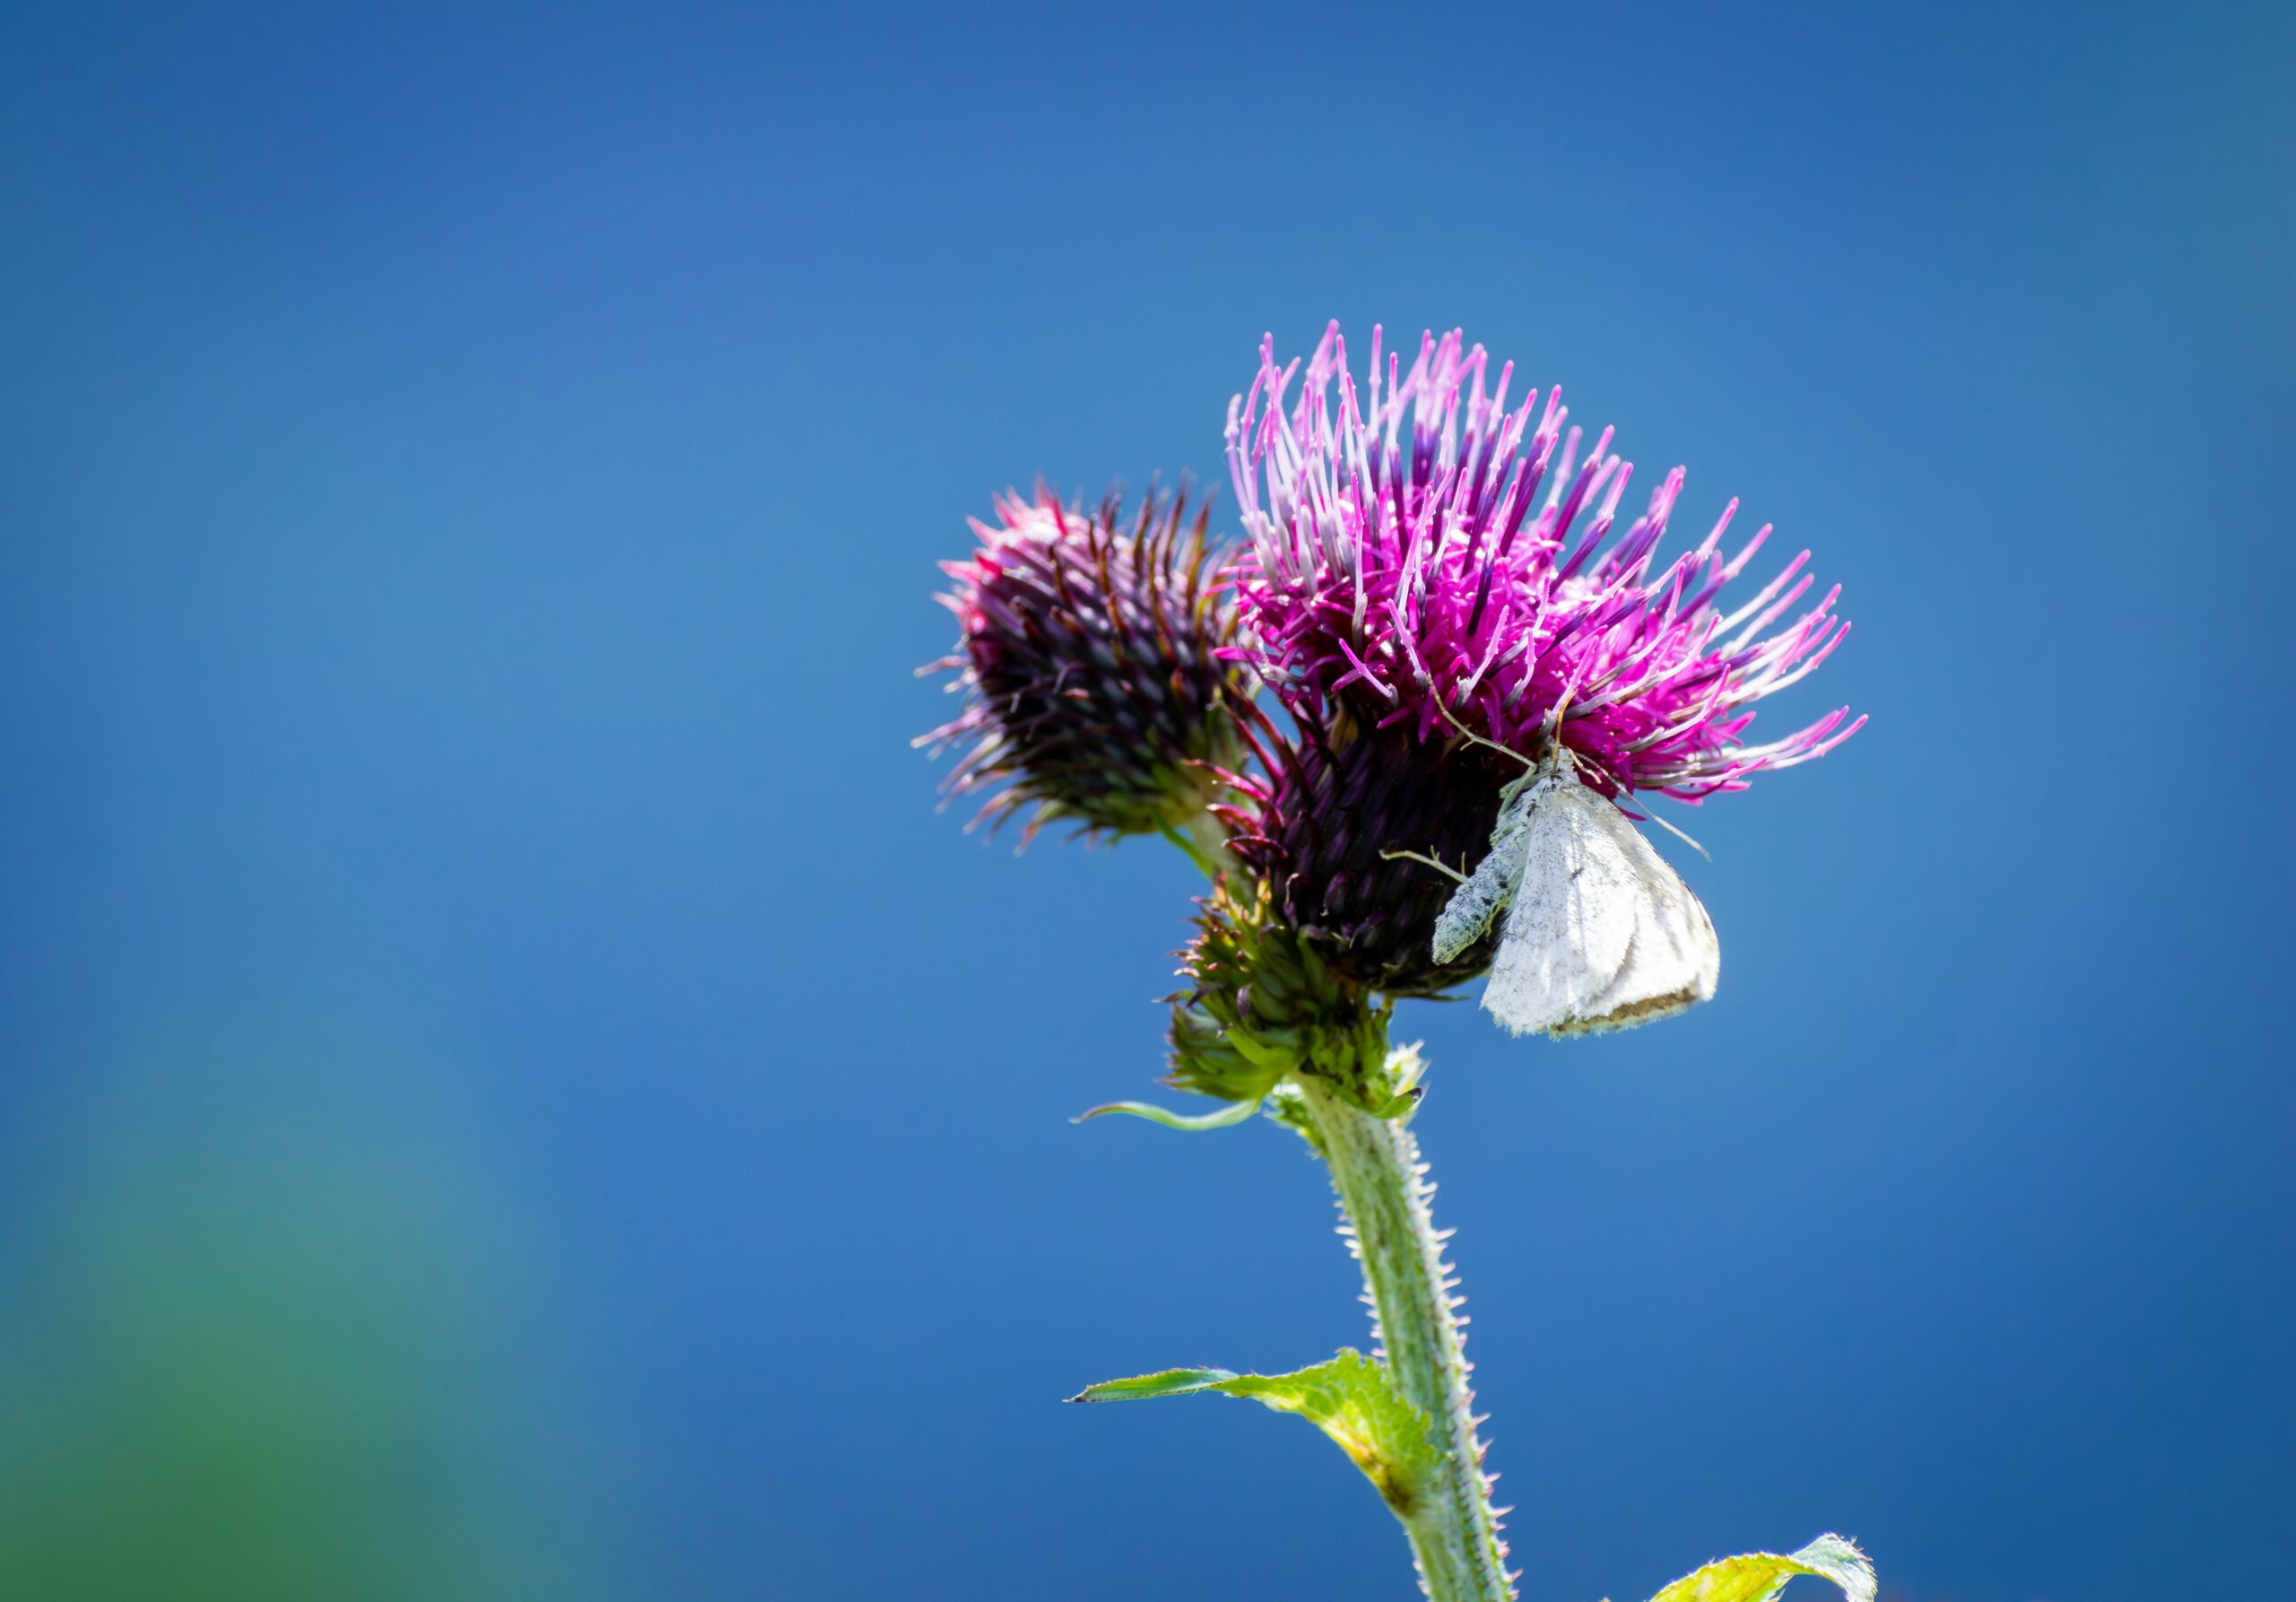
[1582, 762]
[1553, 733]
[1679, 835]
[1440, 867]
[1479, 739]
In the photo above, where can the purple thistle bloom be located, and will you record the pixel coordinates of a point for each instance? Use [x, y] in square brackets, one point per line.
[1400, 567]
[1091, 658]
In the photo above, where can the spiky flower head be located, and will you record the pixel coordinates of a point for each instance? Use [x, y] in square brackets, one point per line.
[1090, 660]
[1421, 548]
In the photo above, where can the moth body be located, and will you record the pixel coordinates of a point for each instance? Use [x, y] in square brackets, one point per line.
[1487, 891]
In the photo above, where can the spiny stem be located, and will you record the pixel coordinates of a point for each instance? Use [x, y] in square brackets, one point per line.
[1376, 1168]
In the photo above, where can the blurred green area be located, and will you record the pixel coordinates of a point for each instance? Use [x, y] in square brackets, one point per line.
[264, 1337]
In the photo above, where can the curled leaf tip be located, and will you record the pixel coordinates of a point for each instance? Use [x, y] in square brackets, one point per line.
[1235, 1112]
[1761, 1576]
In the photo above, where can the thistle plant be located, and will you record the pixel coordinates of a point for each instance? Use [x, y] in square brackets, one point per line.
[1402, 723]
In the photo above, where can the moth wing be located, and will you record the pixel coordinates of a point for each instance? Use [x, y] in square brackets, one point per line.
[1673, 959]
[1563, 946]
[1487, 891]
[1602, 933]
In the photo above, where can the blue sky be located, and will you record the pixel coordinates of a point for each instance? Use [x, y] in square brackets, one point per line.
[470, 481]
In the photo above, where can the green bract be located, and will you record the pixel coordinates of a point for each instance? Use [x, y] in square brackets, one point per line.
[1264, 1005]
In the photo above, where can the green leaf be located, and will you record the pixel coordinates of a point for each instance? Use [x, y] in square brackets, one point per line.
[1401, 1106]
[1235, 1112]
[1760, 1576]
[1350, 1398]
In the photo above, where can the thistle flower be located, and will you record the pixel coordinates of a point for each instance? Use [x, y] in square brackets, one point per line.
[1090, 661]
[1405, 579]
[1108, 680]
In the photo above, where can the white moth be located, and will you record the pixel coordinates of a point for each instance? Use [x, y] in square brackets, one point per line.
[1600, 932]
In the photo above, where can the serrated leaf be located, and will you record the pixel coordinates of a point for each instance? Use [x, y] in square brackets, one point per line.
[1350, 1398]
[1760, 1576]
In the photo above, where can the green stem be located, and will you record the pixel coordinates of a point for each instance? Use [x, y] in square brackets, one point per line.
[1204, 838]
[1376, 1168]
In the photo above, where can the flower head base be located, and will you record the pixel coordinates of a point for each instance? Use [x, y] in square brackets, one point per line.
[1091, 658]
[1404, 577]
[1338, 800]
[1264, 1004]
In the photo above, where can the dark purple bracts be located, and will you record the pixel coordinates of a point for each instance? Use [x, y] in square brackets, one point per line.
[1090, 660]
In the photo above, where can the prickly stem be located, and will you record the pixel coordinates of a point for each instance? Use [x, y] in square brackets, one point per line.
[1376, 1169]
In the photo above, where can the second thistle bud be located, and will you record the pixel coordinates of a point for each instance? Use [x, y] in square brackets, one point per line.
[1089, 658]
